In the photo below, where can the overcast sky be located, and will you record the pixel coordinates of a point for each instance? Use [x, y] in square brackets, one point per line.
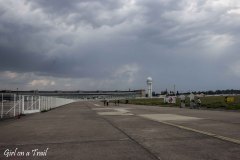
[117, 44]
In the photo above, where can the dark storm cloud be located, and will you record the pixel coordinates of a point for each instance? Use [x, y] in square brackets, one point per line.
[67, 7]
[77, 12]
[121, 42]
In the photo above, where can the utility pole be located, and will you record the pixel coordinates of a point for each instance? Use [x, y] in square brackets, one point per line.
[174, 89]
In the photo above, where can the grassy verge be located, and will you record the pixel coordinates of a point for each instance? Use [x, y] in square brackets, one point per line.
[212, 102]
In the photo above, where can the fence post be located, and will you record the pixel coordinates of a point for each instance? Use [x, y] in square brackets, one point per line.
[50, 99]
[14, 107]
[54, 102]
[32, 103]
[2, 107]
[22, 104]
[39, 103]
[50, 102]
[45, 102]
[19, 105]
[35, 102]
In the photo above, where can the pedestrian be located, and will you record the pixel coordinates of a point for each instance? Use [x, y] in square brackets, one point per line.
[182, 99]
[118, 102]
[192, 100]
[104, 102]
[107, 102]
[225, 99]
[199, 102]
[115, 101]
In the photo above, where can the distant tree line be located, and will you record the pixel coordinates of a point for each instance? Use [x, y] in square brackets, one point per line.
[210, 92]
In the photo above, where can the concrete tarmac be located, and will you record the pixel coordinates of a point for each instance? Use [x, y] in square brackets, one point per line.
[91, 131]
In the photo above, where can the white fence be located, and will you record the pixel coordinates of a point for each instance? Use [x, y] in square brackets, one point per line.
[13, 105]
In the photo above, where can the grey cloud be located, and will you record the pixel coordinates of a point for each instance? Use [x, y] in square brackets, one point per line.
[80, 12]
[66, 7]
[95, 40]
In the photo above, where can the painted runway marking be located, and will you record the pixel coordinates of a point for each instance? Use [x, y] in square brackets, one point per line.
[161, 120]
[168, 117]
[114, 114]
[115, 108]
[205, 133]
[113, 111]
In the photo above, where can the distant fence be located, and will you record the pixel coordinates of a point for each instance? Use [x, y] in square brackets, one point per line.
[13, 105]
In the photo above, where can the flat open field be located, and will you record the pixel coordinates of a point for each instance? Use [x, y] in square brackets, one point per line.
[207, 102]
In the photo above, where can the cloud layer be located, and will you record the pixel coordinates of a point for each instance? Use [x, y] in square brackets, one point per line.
[116, 44]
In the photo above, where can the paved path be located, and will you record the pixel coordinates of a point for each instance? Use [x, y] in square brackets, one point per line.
[89, 131]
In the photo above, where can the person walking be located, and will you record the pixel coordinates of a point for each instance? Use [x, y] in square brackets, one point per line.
[199, 102]
[118, 101]
[192, 100]
[182, 99]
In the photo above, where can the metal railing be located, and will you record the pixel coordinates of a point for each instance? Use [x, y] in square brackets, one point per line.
[13, 105]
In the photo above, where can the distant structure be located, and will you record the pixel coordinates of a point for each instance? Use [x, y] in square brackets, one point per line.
[99, 94]
[149, 87]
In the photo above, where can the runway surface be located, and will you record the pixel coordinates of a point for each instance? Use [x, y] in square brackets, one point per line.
[90, 131]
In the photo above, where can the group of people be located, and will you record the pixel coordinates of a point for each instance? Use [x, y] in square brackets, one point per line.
[106, 102]
[194, 103]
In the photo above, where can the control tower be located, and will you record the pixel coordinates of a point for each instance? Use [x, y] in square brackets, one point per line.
[149, 87]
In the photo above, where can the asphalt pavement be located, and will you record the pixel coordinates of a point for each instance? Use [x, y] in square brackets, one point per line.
[91, 131]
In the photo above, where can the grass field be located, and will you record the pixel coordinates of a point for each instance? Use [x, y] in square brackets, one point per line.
[207, 102]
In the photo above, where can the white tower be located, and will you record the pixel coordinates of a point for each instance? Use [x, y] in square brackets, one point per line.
[149, 87]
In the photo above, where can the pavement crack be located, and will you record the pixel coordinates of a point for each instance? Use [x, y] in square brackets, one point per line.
[132, 139]
[66, 142]
[154, 156]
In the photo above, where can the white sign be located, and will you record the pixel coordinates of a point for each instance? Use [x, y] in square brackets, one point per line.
[170, 99]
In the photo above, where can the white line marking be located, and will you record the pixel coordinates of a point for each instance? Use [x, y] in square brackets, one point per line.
[193, 130]
[168, 117]
[205, 133]
[114, 114]
[97, 105]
